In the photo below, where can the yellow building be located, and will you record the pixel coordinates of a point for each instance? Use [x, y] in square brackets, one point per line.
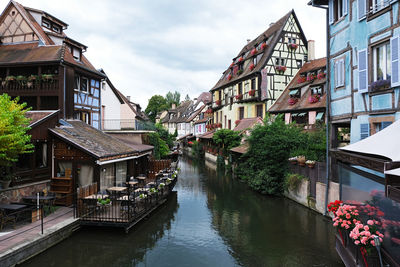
[260, 72]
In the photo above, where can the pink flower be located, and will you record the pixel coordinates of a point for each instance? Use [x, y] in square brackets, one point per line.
[356, 242]
[373, 243]
[370, 222]
[366, 228]
[348, 216]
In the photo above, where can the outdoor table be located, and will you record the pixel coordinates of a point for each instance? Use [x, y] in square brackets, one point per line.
[13, 208]
[49, 200]
[117, 188]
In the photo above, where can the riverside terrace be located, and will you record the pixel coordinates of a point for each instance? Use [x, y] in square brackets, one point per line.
[124, 206]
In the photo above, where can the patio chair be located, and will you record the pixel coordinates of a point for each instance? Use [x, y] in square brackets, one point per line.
[6, 219]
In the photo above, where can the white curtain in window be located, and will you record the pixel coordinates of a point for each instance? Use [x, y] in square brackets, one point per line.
[44, 155]
[63, 165]
[107, 176]
[85, 175]
[121, 173]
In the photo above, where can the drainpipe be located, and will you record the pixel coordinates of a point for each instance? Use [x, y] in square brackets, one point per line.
[327, 107]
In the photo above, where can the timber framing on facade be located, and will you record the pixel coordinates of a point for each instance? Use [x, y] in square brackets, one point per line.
[260, 72]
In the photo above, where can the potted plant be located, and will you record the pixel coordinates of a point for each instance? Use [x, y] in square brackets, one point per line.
[313, 99]
[321, 75]
[10, 79]
[293, 160]
[47, 77]
[281, 69]
[218, 102]
[153, 191]
[252, 92]
[301, 160]
[6, 180]
[253, 51]
[292, 101]
[104, 202]
[239, 72]
[229, 77]
[161, 186]
[311, 77]
[239, 97]
[302, 79]
[21, 80]
[293, 46]
[252, 66]
[310, 163]
[379, 85]
[346, 217]
[142, 196]
[263, 46]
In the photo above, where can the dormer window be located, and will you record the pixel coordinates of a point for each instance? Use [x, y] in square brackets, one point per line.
[46, 24]
[76, 53]
[56, 28]
[291, 40]
[317, 90]
[51, 26]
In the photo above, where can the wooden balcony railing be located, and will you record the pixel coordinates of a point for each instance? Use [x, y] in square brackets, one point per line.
[16, 86]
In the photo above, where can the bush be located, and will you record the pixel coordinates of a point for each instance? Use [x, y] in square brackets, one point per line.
[197, 150]
[227, 139]
[293, 180]
[160, 146]
[265, 164]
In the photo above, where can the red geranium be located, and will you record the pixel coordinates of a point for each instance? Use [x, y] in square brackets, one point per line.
[333, 206]
[252, 66]
[229, 77]
[263, 46]
[239, 97]
[237, 122]
[252, 92]
[292, 101]
[218, 102]
[253, 52]
[302, 79]
[240, 59]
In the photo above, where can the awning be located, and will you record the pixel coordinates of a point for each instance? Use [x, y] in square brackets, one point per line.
[384, 143]
[302, 114]
[319, 116]
[295, 114]
[293, 92]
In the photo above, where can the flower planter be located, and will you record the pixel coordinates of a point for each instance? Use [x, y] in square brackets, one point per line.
[252, 92]
[292, 101]
[344, 236]
[313, 99]
[368, 258]
[252, 66]
[239, 97]
[5, 184]
[253, 52]
[311, 165]
[263, 46]
[301, 80]
[229, 77]
[301, 160]
[379, 85]
[281, 69]
[293, 46]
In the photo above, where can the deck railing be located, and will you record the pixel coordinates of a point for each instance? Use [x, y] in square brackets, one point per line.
[29, 86]
[315, 174]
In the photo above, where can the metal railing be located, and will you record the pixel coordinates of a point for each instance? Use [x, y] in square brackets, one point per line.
[122, 124]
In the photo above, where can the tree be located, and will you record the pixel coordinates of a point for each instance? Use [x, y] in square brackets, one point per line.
[227, 139]
[156, 104]
[160, 146]
[187, 97]
[173, 98]
[14, 139]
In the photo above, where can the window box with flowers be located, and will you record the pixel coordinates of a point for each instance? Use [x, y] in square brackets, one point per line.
[252, 92]
[293, 46]
[239, 72]
[239, 97]
[313, 99]
[292, 101]
[321, 75]
[253, 51]
[233, 63]
[302, 79]
[10, 79]
[263, 46]
[209, 111]
[240, 59]
[252, 66]
[281, 69]
[218, 102]
[218, 125]
[379, 85]
[311, 77]
[229, 77]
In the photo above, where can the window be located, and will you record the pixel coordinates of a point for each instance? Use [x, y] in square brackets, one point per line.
[259, 110]
[279, 61]
[364, 130]
[337, 10]
[84, 84]
[381, 125]
[229, 124]
[299, 63]
[46, 24]
[291, 40]
[76, 82]
[339, 73]
[253, 84]
[376, 5]
[56, 28]
[317, 90]
[76, 53]
[240, 89]
[241, 113]
[83, 116]
[381, 62]
[40, 155]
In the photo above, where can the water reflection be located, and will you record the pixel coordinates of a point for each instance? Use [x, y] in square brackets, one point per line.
[213, 220]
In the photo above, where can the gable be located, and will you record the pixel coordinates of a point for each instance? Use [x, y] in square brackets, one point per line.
[14, 28]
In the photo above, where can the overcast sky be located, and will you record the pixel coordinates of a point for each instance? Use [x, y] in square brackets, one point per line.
[152, 47]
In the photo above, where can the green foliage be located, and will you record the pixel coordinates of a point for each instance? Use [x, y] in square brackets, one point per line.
[14, 139]
[165, 135]
[156, 104]
[265, 164]
[293, 180]
[227, 139]
[312, 144]
[173, 98]
[160, 146]
[175, 133]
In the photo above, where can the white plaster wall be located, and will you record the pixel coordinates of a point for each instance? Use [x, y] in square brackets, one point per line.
[112, 114]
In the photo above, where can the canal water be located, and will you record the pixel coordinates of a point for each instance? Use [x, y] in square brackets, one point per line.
[211, 220]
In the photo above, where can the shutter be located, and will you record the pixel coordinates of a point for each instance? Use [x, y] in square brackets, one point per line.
[385, 124]
[336, 70]
[394, 49]
[362, 71]
[331, 18]
[364, 130]
[345, 7]
[362, 9]
[341, 71]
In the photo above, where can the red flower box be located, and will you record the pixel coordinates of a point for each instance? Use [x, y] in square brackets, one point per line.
[209, 111]
[292, 101]
[233, 63]
[252, 66]
[252, 92]
[321, 75]
[240, 59]
[281, 68]
[253, 52]
[229, 77]
[263, 46]
[218, 102]
[237, 122]
[293, 46]
[313, 99]
[219, 125]
[239, 97]
[311, 77]
[302, 79]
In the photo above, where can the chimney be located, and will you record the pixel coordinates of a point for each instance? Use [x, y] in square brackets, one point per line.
[271, 24]
[128, 97]
[173, 106]
[248, 40]
[311, 50]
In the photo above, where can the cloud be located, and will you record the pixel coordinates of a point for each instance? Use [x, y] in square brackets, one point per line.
[152, 47]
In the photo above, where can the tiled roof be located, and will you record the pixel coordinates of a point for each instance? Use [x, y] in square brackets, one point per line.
[204, 97]
[130, 141]
[273, 35]
[100, 145]
[37, 116]
[201, 121]
[282, 103]
[183, 111]
[29, 52]
[207, 135]
[197, 112]
[242, 149]
[247, 123]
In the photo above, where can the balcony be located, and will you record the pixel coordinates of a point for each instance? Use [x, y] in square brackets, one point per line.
[15, 86]
[123, 124]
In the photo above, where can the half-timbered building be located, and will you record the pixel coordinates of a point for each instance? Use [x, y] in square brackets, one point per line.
[260, 72]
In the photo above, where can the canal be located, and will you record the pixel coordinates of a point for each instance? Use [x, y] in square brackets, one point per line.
[211, 220]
